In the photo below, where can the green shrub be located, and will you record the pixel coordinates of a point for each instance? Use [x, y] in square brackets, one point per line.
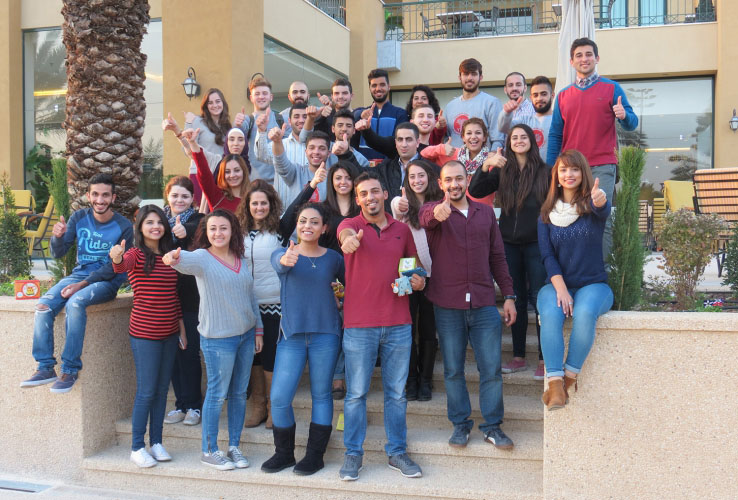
[14, 260]
[57, 183]
[687, 240]
[730, 271]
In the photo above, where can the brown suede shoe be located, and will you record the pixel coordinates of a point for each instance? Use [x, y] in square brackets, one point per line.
[568, 382]
[555, 397]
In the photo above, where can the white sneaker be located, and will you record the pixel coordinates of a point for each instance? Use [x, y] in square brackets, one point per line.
[159, 453]
[142, 458]
[174, 416]
[192, 418]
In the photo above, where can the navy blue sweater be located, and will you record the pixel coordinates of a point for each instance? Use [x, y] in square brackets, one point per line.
[384, 124]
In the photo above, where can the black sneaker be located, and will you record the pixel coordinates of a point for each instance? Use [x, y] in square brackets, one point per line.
[41, 377]
[498, 438]
[411, 389]
[460, 437]
[64, 383]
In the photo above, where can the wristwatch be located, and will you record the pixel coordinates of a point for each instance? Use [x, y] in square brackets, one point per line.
[511, 297]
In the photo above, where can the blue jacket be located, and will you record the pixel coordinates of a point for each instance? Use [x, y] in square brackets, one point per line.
[384, 124]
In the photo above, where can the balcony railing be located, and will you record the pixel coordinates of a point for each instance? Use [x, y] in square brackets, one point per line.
[334, 8]
[436, 20]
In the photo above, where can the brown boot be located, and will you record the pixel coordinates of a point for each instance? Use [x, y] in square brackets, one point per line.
[256, 411]
[268, 377]
[555, 397]
[568, 382]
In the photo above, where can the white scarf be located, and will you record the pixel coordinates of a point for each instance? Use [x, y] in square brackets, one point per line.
[563, 214]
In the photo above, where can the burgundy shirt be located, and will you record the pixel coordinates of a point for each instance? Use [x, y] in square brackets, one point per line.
[370, 271]
[467, 253]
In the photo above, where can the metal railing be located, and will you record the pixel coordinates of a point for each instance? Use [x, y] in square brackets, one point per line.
[333, 8]
[437, 19]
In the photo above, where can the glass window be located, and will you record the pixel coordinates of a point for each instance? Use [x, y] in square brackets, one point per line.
[651, 12]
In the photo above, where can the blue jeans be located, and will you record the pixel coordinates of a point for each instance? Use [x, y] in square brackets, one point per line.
[154, 360]
[528, 276]
[320, 351]
[228, 367]
[360, 348]
[76, 321]
[590, 302]
[607, 176]
[482, 327]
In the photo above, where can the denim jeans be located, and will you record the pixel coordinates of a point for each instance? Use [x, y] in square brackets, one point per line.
[361, 347]
[482, 327]
[607, 176]
[187, 372]
[154, 360]
[320, 351]
[228, 367]
[528, 276]
[76, 321]
[590, 302]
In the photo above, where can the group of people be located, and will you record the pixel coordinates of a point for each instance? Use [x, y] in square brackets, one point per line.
[282, 245]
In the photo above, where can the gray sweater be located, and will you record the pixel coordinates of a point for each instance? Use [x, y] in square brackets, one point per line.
[228, 306]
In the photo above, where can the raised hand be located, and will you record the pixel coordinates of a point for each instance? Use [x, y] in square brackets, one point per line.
[511, 105]
[619, 109]
[442, 211]
[599, 198]
[179, 230]
[240, 117]
[170, 123]
[496, 160]
[441, 123]
[312, 112]
[320, 175]
[262, 120]
[352, 243]
[171, 258]
[324, 99]
[289, 259]
[59, 228]
[325, 111]
[403, 205]
[276, 134]
[340, 146]
[449, 149]
[368, 112]
[361, 125]
[116, 252]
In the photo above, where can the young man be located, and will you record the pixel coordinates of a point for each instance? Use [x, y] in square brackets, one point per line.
[291, 177]
[584, 119]
[297, 94]
[96, 230]
[541, 93]
[376, 321]
[382, 115]
[473, 102]
[514, 89]
[467, 252]
[341, 95]
[341, 149]
[423, 117]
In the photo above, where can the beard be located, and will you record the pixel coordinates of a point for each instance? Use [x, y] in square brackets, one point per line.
[543, 109]
[380, 100]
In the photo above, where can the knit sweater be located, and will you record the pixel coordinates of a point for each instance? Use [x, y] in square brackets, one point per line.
[228, 305]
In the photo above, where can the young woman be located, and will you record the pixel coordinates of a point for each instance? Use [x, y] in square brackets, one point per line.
[258, 214]
[311, 328]
[473, 154]
[155, 323]
[225, 190]
[521, 184]
[420, 186]
[214, 121]
[570, 233]
[422, 95]
[230, 329]
[187, 374]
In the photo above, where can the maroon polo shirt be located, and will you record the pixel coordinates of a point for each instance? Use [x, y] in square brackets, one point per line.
[467, 253]
[370, 271]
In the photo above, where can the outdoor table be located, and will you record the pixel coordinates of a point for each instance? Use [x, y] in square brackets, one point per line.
[460, 23]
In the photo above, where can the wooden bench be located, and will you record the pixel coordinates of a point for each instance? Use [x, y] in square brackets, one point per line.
[657, 216]
[645, 223]
[716, 192]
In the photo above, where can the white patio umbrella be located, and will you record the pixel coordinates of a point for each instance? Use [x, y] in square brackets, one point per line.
[577, 22]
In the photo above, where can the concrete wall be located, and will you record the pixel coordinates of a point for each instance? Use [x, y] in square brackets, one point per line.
[655, 413]
[47, 435]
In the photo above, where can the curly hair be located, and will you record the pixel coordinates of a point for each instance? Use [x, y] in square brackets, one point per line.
[271, 223]
[432, 99]
[236, 244]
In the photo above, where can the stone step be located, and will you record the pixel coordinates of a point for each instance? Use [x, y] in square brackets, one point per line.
[185, 475]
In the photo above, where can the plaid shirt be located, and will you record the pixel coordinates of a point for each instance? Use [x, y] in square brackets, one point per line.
[583, 83]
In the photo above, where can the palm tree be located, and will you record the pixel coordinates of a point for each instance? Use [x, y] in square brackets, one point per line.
[105, 107]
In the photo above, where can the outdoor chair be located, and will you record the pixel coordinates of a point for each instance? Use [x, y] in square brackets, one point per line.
[657, 215]
[488, 24]
[678, 194]
[24, 204]
[439, 29]
[716, 192]
[42, 234]
[645, 224]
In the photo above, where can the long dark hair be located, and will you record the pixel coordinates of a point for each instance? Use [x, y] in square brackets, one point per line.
[236, 244]
[432, 100]
[166, 242]
[432, 192]
[243, 212]
[221, 128]
[517, 184]
[583, 198]
[331, 198]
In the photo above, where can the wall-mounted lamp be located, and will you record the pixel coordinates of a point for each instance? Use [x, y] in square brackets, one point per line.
[190, 85]
[733, 122]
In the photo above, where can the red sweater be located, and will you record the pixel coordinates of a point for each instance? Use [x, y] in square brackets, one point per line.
[156, 311]
[215, 196]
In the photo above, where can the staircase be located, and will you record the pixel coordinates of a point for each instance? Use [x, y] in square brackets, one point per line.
[479, 471]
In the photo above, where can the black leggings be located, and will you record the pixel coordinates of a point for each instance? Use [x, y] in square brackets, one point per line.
[271, 333]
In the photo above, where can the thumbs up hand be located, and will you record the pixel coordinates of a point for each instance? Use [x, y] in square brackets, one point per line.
[352, 242]
[320, 175]
[240, 117]
[170, 123]
[263, 120]
[276, 134]
[361, 125]
[599, 198]
[403, 205]
[368, 112]
[449, 149]
[189, 117]
[441, 123]
[178, 230]
[171, 258]
[496, 160]
[289, 259]
[324, 99]
[117, 251]
[340, 146]
[512, 105]
[59, 228]
[619, 109]
[442, 211]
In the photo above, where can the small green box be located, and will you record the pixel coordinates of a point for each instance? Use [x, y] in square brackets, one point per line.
[407, 264]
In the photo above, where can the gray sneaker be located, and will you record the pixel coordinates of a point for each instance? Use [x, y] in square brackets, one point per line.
[64, 383]
[174, 417]
[405, 465]
[498, 438]
[235, 456]
[40, 377]
[460, 437]
[351, 467]
[192, 417]
[217, 460]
